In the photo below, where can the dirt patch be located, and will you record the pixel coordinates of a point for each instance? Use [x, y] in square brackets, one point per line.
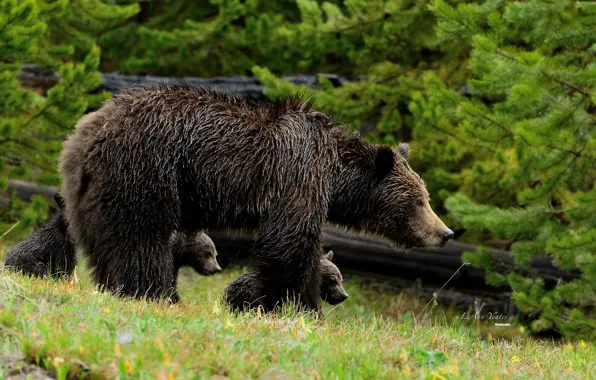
[15, 367]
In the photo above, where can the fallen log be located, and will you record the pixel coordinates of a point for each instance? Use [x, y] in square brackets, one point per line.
[24, 191]
[34, 77]
[421, 271]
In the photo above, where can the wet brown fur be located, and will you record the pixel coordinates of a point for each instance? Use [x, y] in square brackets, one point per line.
[331, 288]
[157, 160]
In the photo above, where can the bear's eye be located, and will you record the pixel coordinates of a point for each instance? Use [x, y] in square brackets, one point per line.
[420, 203]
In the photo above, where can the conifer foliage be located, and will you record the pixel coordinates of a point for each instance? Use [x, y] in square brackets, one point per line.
[33, 122]
[528, 132]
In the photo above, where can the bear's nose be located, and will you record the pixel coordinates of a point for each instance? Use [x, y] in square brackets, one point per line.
[447, 234]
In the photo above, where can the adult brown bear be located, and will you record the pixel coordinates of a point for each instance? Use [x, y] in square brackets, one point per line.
[157, 160]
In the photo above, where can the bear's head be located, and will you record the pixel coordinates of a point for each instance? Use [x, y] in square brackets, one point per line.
[401, 205]
[206, 263]
[332, 290]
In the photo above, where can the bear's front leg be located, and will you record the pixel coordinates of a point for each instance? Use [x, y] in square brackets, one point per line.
[286, 259]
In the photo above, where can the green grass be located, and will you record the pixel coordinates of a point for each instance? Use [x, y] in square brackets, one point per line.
[74, 330]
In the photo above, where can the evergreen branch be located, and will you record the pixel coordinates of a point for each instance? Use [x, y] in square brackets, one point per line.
[26, 145]
[356, 25]
[556, 180]
[573, 152]
[456, 138]
[10, 21]
[575, 246]
[37, 115]
[565, 83]
[562, 210]
[551, 77]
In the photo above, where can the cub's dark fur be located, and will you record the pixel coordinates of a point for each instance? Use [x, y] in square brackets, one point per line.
[331, 288]
[48, 251]
[196, 251]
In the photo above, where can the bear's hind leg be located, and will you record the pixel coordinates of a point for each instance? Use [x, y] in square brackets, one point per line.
[136, 267]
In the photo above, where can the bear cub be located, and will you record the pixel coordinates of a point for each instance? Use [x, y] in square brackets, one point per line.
[195, 250]
[331, 288]
[48, 251]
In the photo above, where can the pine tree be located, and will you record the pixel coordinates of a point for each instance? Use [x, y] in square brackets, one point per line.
[31, 123]
[389, 45]
[526, 131]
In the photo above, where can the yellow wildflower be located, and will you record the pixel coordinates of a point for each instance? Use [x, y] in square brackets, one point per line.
[229, 323]
[407, 371]
[106, 310]
[58, 361]
[522, 330]
[515, 359]
[570, 367]
[582, 344]
[117, 349]
[403, 354]
[455, 369]
[166, 359]
[81, 349]
[570, 346]
[128, 368]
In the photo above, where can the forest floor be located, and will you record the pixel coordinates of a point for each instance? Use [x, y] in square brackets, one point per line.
[67, 329]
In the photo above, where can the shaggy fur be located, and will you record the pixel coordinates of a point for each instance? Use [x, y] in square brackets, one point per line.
[157, 160]
[196, 251]
[331, 288]
[48, 251]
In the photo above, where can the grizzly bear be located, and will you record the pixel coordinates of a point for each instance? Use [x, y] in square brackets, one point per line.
[196, 251]
[48, 251]
[161, 159]
[331, 288]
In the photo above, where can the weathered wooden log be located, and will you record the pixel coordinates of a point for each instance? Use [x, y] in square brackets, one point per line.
[32, 76]
[422, 271]
[433, 265]
[24, 191]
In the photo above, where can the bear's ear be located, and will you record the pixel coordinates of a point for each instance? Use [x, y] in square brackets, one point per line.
[384, 161]
[404, 150]
[59, 200]
[329, 255]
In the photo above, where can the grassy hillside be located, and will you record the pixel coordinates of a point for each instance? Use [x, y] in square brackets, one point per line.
[75, 331]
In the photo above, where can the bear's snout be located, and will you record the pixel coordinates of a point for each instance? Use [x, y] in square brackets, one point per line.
[447, 234]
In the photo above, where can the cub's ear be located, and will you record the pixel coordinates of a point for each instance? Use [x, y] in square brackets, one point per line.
[59, 200]
[384, 161]
[328, 255]
[404, 150]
